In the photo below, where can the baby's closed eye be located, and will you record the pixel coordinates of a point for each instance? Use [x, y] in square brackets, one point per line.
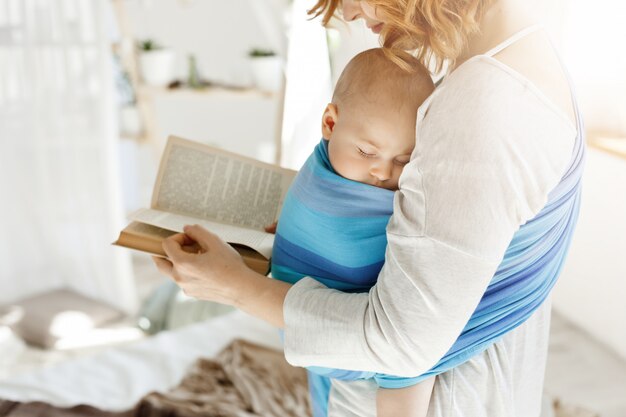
[366, 154]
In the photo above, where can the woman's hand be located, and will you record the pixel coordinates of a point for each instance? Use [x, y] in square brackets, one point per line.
[203, 265]
[207, 268]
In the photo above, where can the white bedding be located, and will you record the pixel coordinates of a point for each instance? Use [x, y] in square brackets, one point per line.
[117, 378]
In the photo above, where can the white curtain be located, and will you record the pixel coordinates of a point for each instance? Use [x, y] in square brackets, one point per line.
[59, 188]
[308, 88]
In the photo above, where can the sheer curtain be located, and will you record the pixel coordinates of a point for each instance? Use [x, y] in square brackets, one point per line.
[59, 188]
[308, 89]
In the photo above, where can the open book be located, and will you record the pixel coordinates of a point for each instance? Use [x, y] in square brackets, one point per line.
[231, 195]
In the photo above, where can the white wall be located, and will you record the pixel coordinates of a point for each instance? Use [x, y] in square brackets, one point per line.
[242, 123]
[592, 289]
[593, 48]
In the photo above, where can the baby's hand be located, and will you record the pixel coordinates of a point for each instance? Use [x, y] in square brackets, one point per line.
[271, 228]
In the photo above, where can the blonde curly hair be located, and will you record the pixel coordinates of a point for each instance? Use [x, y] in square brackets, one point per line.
[434, 31]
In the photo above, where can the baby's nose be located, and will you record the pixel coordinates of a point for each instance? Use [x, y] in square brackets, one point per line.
[382, 171]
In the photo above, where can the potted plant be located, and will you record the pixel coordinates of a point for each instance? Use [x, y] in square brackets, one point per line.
[267, 69]
[156, 63]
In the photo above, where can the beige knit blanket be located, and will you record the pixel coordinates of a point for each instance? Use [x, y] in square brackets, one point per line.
[244, 380]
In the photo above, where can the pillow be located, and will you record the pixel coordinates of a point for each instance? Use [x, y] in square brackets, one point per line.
[44, 319]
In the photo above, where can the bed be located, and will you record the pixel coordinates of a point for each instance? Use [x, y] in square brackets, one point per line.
[115, 379]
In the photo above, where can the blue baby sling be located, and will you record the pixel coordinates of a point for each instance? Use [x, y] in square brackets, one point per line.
[333, 230]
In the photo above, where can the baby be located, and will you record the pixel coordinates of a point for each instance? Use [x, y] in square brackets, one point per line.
[332, 225]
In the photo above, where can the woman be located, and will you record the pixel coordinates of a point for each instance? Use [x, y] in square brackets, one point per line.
[498, 148]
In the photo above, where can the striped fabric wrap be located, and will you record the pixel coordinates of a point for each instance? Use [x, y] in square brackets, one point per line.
[333, 230]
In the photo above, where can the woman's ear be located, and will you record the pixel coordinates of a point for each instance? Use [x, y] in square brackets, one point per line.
[329, 119]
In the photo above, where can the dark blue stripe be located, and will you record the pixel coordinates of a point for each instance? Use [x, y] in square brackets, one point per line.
[308, 263]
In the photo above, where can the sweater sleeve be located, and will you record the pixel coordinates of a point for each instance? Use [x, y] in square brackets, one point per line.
[488, 151]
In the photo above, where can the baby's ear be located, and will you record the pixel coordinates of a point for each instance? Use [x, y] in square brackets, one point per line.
[329, 119]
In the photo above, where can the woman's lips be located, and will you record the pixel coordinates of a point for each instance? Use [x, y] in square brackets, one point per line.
[377, 28]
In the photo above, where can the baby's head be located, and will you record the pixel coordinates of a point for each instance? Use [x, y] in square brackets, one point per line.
[370, 124]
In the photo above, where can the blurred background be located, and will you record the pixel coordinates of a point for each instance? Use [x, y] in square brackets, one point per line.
[90, 90]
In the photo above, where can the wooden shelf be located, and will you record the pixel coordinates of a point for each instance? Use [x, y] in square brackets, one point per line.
[218, 91]
[145, 95]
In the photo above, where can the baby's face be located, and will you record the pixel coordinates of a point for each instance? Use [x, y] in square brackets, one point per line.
[370, 145]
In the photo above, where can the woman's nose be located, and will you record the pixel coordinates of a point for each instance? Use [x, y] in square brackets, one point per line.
[351, 10]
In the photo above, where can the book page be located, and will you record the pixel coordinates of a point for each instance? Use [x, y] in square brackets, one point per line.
[148, 231]
[262, 242]
[208, 183]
